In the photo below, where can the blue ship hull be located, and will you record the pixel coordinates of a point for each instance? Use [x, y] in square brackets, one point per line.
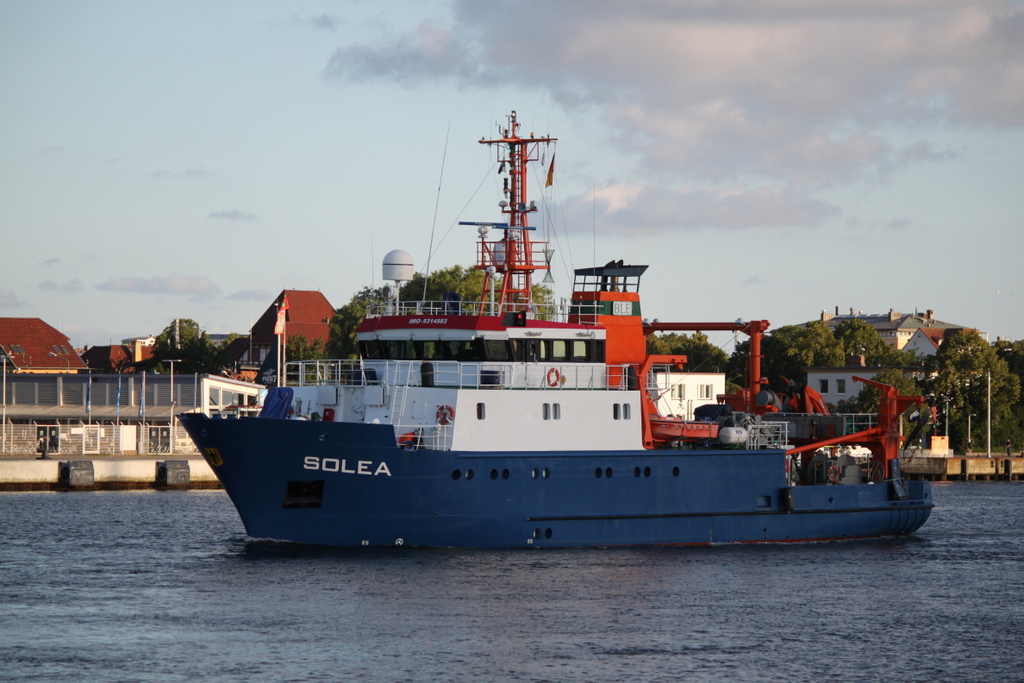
[348, 484]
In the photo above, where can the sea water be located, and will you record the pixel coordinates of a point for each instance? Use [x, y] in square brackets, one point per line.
[165, 586]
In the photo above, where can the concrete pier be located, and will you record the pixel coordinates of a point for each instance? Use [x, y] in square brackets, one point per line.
[105, 473]
[965, 468]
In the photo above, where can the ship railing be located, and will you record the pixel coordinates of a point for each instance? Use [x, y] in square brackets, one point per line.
[431, 437]
[768, 435]
[442, 309]
[460, 375]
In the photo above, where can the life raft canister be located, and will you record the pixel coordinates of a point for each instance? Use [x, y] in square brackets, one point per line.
[554, 377]
[445, 415]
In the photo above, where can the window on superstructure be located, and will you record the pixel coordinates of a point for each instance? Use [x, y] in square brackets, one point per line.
[625, 411]
[616, 411]
[481, 411]
[559, 350]
[546, 411]
[556, 411]
[704, 390]
[370, 349]
[399, 349]
[495, 349]
[580, 351]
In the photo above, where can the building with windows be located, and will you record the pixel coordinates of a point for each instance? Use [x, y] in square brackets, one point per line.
[679, 393]
[31, 345]
[837, 384]
[305, 312]
[895, 328]
[122, 414]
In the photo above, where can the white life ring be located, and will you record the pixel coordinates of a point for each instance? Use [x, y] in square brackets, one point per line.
[445, 415]
[554, 377]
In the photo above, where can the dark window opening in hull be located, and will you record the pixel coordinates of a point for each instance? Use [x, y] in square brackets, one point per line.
[304, 494]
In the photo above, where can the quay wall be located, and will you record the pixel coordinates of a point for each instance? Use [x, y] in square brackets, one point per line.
[101, 473]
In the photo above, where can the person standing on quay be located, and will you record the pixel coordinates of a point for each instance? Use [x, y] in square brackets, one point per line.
[1009, 448]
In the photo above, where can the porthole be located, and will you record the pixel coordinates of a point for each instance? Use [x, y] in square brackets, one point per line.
[547, 533]
[533, 473]
[494, 474]
[647, 471]
[675, 471]
[456, 474]
[608, 472]
[597, 473]
[536, 533]
[545, 473]
[504, 474]
[636, 472]
[469, 474]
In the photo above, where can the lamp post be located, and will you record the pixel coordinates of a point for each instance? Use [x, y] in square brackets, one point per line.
[170, 423]
[969, 440]
[68, 368]
[3, 357]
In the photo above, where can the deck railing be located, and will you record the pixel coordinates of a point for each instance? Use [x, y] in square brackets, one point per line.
[455, 374]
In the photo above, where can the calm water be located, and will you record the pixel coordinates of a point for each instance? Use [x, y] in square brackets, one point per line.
[164, 586]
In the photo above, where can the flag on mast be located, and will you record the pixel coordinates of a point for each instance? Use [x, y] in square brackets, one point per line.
[551, 173]
[279, 325]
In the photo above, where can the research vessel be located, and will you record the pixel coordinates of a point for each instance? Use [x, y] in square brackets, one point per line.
[508, 422]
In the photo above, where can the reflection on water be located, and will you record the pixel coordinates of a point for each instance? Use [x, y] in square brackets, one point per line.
[164, 586]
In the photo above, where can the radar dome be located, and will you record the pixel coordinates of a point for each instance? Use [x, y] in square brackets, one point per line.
[398, 266]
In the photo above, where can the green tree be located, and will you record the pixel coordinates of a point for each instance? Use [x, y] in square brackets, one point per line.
[345, 321]
[702, 355]
[786, 351]
[866, 400]
[467, 282]
[185, 340]
[959, 378]
[299, 348]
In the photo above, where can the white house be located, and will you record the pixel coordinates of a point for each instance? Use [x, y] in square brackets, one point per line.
[679, 393]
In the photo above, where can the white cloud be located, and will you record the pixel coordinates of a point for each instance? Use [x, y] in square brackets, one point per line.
[195, 285]
[632, 209]
[233, 215]
[72, 286]
[806, 94]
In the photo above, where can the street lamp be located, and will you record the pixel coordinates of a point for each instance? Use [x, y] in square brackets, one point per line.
[63, 359]
[170, 423]
[969, 416]
[3, 357]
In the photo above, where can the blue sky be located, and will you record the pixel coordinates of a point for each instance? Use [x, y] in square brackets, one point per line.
[767, 160]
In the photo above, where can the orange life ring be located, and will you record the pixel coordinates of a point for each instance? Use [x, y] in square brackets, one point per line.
[445, 415]
[554, 377]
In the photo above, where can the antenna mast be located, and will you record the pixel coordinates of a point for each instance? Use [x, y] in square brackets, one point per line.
[515, 255]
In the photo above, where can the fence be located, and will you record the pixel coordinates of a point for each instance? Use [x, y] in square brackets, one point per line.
[75, 437]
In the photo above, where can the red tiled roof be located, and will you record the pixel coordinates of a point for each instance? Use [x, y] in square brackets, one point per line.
[29, 343]
[117, 358]
[309, 314]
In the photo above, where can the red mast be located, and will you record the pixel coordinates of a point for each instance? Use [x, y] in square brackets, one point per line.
[515, 256]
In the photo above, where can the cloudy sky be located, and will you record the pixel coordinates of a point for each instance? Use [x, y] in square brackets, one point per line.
[767, 160]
